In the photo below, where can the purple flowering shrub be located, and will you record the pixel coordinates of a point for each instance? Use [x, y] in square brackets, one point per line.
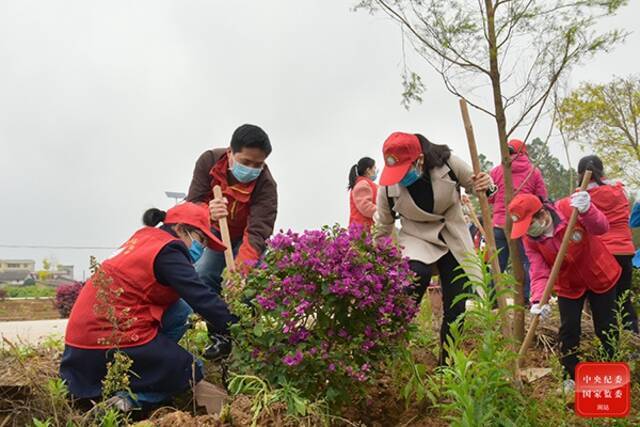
[66, 296]
[326, 307]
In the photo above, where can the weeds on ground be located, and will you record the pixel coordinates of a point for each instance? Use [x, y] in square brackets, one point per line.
[408, 373]
[620, 339]
[41, 398]
[286, 399]
[477, 387]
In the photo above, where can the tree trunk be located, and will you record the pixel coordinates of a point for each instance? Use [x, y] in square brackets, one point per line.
[501, 123]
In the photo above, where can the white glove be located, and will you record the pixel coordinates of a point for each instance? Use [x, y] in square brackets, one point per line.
[581, 201]
[543, 311]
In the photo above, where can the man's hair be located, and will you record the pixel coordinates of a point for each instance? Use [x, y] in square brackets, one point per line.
[250, 136]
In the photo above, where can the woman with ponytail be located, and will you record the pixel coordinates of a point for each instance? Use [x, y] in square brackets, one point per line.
[610, 197]
[138, 303]
[363, 192]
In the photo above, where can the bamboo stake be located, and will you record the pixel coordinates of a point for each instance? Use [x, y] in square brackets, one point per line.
[486, 217]
[474, 219]
[553, 276]
[224, 232]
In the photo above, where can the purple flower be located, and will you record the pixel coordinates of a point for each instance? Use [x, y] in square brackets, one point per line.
[266, 303]
[298, 336]
[367, 345]
[361, 376]
[332, 295]
[293, 360]
[302, 307]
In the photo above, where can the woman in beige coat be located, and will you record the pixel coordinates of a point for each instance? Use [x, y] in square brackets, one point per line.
[422, 181]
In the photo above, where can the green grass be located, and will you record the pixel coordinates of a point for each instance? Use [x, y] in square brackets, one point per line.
[34, 291]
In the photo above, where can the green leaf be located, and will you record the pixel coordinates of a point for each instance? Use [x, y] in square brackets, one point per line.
[258, 330]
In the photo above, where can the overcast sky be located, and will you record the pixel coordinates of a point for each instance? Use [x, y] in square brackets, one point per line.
[105, 105]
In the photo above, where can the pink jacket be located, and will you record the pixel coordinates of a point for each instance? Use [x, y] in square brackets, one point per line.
[521, 170]
[593, 221]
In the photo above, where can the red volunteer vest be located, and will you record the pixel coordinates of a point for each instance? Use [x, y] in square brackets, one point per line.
[238, 195]
[613, 203]
[355, 217]
[138, 301]
[588, 264]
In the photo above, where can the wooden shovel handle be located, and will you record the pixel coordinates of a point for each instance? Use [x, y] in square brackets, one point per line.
[555, 271]
[224, 232]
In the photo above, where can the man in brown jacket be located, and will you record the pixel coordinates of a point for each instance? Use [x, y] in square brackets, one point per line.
[250, 200]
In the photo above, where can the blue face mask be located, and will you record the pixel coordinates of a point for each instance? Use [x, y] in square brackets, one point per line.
[411, 177]
[244, 173]
[374, 177]
[195, 250]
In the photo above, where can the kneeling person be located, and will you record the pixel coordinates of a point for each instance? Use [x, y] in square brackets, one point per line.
[139, 303]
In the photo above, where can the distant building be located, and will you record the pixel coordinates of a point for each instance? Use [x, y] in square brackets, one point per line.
[65, 271]
[14, 276]
[17, 264]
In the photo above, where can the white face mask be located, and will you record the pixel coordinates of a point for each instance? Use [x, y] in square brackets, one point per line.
[539, 227]
[536, 229]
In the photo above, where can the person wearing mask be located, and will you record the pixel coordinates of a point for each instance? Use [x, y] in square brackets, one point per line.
[421, 185]
[363, 192]
[250, 201]
[610, 198]
[138, 302]
[527, 179]
[588, 269]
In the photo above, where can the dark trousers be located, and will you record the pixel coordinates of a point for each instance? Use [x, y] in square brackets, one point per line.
[603, 312]
[503, 257]
[624, 286]
[449, 271]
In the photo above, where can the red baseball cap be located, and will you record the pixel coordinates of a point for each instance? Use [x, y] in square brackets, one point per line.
[196, 215]
[522, 209]
[400, 150]
[518, 146]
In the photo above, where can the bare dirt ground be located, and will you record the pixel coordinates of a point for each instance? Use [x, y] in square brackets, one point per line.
[28, 309]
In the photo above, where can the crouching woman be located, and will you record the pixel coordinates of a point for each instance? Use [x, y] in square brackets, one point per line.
[138, 303]
[588, 270]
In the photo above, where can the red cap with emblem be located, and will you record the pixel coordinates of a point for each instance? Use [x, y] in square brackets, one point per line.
[518, 147]
[196, 215]
[400, 150]
[522, 209]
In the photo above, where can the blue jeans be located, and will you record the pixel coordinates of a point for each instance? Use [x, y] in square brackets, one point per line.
[174, 324]
[503, 257]
[212, 263]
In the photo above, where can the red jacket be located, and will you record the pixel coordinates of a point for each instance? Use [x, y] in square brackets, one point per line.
[612, 201]
[362, 200]
[588, 264]
[133, 298]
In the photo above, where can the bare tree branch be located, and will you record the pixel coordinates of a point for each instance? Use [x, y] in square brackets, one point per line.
[428, 44]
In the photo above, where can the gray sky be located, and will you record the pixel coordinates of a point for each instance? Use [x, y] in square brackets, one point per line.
[105, 105]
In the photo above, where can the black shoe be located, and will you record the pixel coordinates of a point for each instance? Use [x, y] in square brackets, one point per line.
[219, 349]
